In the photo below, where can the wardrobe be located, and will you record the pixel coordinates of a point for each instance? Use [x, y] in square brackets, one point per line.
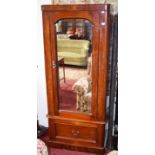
[76, 105]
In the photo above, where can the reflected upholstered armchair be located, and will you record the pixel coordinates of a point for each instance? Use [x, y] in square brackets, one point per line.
[83, 90]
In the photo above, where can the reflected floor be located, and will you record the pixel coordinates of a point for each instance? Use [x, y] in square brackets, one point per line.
[74, 73]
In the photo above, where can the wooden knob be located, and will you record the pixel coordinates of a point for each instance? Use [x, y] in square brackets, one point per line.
[75, 133]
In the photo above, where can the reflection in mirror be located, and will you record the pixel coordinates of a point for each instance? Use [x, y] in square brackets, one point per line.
[74, 50]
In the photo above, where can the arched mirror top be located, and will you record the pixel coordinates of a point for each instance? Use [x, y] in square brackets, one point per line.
[74, 18]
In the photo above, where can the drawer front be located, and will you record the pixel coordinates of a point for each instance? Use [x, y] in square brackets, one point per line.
[78, 133]
[86, 134]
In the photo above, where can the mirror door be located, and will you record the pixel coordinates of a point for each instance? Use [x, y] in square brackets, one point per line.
[75, 63]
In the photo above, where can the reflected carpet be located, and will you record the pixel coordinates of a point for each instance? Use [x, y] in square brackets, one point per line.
[67, 96]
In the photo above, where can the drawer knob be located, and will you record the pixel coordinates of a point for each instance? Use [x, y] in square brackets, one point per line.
[75, 133]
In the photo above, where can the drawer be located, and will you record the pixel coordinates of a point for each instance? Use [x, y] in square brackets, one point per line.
[76, 133]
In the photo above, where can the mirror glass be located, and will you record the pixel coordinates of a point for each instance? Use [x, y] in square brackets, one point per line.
[74, 61]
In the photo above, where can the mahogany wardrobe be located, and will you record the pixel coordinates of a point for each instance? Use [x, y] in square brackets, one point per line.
[76, 64]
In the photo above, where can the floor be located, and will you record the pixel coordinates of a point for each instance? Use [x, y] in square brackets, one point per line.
[54, 151]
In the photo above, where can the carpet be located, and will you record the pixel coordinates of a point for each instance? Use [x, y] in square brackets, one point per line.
[67, 97]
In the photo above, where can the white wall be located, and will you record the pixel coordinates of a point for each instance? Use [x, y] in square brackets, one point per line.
[41, 84]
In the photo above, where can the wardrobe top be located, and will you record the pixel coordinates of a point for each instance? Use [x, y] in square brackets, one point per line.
[80, 7]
